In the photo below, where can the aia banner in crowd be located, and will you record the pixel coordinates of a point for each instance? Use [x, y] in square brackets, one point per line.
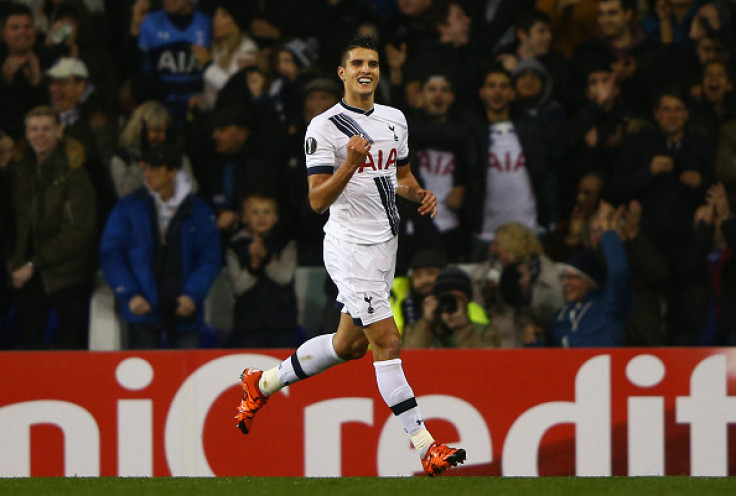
[516, 412]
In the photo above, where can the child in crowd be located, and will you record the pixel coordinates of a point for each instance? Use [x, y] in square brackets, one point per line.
[261, 260]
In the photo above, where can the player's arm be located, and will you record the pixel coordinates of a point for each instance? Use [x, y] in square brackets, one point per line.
[325, 188]
[410, 189]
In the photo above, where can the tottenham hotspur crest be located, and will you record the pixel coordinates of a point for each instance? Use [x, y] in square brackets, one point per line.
[368, 300]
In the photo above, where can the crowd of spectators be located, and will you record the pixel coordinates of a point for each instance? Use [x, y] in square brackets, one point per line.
[583, 154]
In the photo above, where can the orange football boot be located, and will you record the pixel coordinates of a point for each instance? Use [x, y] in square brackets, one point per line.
[440, 457]
[253, 399]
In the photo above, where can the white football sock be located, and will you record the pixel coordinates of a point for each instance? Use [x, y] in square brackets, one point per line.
[399, 397]
[312, 357]
[422, 440]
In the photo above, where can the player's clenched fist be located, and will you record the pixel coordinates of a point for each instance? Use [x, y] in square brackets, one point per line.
[357, 150]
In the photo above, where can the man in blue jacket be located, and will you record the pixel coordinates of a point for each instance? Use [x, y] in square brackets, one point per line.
[160, 253]
[598, 296]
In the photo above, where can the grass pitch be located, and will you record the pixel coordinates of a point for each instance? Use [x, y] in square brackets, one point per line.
[371, 486]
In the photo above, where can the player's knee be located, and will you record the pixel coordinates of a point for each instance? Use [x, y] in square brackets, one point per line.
[387, 347]
[351, 350]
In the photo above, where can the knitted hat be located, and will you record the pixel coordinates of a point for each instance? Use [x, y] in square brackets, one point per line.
[237, 115]
[588, 264]
[453, 279]
[304, 51]
[323, 84]
[428, 258]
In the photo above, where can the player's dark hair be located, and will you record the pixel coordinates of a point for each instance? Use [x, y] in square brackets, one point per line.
[358, 42]
[527, 19]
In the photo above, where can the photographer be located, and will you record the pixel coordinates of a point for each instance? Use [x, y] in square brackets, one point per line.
[445, 322]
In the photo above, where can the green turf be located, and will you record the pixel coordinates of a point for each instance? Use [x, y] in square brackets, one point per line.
[419, 486]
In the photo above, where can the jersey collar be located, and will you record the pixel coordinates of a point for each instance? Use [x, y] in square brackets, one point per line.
[356, 109]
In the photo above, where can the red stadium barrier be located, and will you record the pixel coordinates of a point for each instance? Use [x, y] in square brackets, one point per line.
[516, 412]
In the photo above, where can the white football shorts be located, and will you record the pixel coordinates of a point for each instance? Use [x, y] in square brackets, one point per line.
[364, 275]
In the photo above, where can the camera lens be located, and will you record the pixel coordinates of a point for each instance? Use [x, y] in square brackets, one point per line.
[447, 303]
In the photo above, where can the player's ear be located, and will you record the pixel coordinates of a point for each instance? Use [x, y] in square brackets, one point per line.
[341, 73]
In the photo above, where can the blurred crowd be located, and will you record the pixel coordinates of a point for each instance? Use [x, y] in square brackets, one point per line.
[583, 153]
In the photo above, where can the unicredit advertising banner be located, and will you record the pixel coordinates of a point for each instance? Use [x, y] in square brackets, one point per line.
[516, 412]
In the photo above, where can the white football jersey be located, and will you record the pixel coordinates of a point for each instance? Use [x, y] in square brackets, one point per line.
[365, 212]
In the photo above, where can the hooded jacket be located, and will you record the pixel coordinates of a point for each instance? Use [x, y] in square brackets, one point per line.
[130, 254]
[55, 215]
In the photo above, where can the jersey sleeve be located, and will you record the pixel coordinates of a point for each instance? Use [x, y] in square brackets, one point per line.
[144, 37]
[402, 157]
[319, 149]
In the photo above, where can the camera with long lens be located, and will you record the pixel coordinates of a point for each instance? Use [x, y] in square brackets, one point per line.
[447, 303]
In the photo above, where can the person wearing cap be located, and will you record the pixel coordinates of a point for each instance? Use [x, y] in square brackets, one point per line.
[319, 95]
[240, 167]
[68, 88]
[23, 58]
[597, 292]
[409, 292]
[72, 32]
[68, 80]
[292, 67]
[445, 321]
[232, 48]
[53, 261]
[160, 253]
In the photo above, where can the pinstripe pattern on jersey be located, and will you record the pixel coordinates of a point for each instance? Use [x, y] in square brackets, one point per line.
[388, 198]
[349, 127]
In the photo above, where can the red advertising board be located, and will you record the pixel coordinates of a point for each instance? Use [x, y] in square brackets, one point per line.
[516, 412]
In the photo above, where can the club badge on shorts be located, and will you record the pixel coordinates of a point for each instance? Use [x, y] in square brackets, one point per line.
[368, 300]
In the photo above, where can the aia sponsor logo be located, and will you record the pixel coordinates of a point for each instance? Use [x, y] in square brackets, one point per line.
[377, 162]
[506, 162]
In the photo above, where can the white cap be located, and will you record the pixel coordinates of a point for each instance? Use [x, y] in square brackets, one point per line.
[68, 67]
